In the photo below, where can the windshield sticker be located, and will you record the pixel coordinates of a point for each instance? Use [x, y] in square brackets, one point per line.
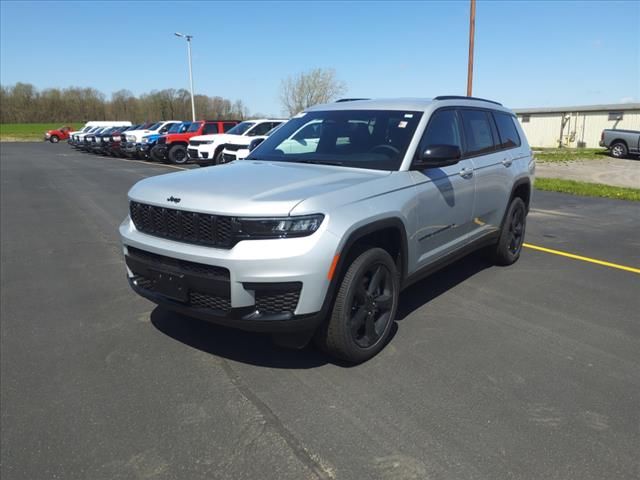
[408, 115]
[402, 124]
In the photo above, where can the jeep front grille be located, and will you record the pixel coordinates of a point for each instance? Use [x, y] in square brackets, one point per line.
[182, 226]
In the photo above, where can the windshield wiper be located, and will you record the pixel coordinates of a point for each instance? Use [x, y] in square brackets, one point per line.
[320, 162]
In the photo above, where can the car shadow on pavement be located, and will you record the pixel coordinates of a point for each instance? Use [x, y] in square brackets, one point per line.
[422, 292]
[246, 347]
[258, 349]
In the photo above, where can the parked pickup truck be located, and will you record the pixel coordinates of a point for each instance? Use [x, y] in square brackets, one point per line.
[54, 136]
[136, 145]
[173, 146]
[621, 143]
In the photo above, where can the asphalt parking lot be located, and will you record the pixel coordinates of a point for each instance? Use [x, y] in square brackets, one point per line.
[525, 372]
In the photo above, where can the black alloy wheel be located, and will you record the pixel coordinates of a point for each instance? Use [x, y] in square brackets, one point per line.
[371, 305]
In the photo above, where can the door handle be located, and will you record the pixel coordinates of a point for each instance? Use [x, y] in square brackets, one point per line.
[507, 162]
[466, 172]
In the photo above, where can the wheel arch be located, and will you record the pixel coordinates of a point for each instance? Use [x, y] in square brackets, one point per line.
[389, 234]
[521, 188]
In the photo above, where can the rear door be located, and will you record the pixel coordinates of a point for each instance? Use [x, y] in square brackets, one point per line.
[492, 166]
[445, 194]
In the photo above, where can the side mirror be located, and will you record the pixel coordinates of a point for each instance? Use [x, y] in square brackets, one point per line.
[255, 142]
[435, 156]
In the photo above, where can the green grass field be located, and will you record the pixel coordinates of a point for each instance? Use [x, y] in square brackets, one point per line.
[559, 155]
[29, 131]
[587, 189]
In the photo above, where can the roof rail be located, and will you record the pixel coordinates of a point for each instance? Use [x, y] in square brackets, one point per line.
[351, 99]
[460, 97]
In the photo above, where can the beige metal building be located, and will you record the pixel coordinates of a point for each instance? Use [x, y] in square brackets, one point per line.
[576, 126]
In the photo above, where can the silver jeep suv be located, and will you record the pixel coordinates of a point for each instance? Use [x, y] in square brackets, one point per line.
[318, 230]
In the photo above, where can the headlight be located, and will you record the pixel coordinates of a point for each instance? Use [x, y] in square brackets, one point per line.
[47, 134]
[284, 227]
[116, 138]
[145, 140]
[207, 142]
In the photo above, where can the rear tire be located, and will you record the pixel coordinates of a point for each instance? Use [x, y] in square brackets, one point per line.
[178, 155]
[619, 150]
[364, 309]
[509, 246]
[54, 139]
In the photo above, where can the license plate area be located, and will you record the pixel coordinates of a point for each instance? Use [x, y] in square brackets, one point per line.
[171, 285]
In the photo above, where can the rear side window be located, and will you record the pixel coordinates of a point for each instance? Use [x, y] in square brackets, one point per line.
[210, 128]
[443, 129]
[228, 126]
[509, 137]
[477, 132]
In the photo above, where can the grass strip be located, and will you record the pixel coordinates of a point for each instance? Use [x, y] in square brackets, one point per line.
[29, 131]
[558, 155]
[587, 189]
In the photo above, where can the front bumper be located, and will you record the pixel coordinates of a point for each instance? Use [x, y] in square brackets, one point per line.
[198, 154]
[144, 148]
[265, 285]
[128, 147]
[160, 151]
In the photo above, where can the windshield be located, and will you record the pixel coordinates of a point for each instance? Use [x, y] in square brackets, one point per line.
[179, 127]
[241, 128]
[155, 126]
[373, 139]
[194, 127]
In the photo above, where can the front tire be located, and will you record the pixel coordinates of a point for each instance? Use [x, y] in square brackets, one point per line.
[178, 155]
[54, 139]
[509, 246]
[619, 150]
[218, 157]
[364, 309]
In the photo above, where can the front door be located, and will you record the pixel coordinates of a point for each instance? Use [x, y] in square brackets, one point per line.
[445, 194]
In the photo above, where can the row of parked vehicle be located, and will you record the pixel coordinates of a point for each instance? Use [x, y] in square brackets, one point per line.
[206, 142]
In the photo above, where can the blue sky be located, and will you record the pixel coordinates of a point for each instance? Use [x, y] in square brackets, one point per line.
[538, 53]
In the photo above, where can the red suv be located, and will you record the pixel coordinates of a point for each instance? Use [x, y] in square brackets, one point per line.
[173, 145]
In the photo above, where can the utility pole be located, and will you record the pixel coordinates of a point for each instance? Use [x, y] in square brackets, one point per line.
[472, 33]
[193, 105]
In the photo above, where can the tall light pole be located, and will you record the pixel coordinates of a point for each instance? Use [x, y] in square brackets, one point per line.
[193, 105]
[472, 33]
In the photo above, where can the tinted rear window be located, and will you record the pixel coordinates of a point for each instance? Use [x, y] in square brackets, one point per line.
[477, 132]
[509, 137]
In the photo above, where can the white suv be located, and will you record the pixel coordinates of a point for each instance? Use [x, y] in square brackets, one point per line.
[207, 149]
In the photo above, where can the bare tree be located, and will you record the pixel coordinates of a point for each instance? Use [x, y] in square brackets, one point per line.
[303, 90]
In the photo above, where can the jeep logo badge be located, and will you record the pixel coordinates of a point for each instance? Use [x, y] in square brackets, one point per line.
[173, 199]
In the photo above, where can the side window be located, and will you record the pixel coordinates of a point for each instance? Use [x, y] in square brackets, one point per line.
[477, 132]
[260, 129]
[443, 129]
[210, 128]
[509, 137]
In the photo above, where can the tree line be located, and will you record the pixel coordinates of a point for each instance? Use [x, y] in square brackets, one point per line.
[24, 103]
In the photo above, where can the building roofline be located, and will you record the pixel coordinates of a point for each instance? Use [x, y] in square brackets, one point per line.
[581, 108]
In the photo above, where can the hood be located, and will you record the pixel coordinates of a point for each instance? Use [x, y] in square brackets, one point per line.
[249, 188]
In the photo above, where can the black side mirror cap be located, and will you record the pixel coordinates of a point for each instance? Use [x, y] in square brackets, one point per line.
[435, 156]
